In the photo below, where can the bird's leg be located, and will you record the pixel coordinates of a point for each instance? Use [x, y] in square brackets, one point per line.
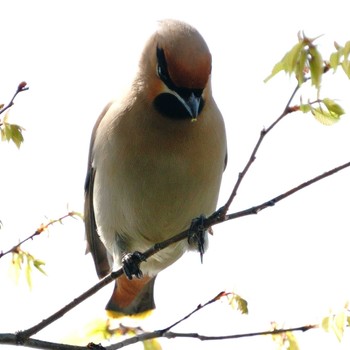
[131, 264]
[198, 235]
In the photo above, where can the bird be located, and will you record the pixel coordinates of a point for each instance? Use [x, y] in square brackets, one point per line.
[155, 164]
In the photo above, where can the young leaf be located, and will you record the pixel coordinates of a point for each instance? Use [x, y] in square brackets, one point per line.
[305, 108]
[238, 303]
[346, 67]
[324, 117]
[333, 107]
[16, 265]
[291, 58]
[288, 62]
[99, 329]
[293, 344]
[16, 134]
[29, 271]
[37, 264]
[300, 66]
[334, 60]
[276, 69]
[11, 132]
[339, 325]
[316, 67]
[7, 132]
[346, 50]
[151, 344]
[326, 324]
[341, 57]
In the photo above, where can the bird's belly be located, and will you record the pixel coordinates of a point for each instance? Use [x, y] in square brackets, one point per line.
[158, 206]
[145, 203]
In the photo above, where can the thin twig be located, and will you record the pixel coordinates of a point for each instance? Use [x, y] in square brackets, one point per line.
[199, 307]
[13, 339]
[21, 87]
[23, 336]
[41, 229]
[263, 133]
[272, 202]
[242, 335]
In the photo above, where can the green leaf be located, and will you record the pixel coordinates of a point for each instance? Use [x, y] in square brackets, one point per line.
[238, 303]
[334, 60]
[11, 132]
[346, 67]
[291, 58]
[5, 118]
[98, 328]
[305, 108]
[339, 325]
[336, 323]
[316, 66]
[151, 344]
[276, 69]
[293, 344]
[37, 264]
[326, 324]
[16, 134]
[341, 57]
[324, 117]
[288, 62]
[330, 115]
[346, 50]
[17, 265]
[29, 271]
[300, 67]
[333, 107]
[6, 132]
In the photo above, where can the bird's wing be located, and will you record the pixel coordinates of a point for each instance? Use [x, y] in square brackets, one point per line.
[94, 244]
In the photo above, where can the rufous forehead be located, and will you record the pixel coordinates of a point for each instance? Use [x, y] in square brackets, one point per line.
[189, 68]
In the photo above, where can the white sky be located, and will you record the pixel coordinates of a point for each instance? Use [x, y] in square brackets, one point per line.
[290, 262]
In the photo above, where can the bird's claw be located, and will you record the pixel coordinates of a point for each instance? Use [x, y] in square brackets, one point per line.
[131, 264]
[197, 235]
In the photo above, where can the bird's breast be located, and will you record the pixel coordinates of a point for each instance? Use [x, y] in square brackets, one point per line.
[155, 183]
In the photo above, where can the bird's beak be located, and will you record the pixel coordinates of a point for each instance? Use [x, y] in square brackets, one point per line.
[192, 104]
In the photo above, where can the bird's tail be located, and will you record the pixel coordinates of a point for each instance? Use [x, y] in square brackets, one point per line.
[132, 297]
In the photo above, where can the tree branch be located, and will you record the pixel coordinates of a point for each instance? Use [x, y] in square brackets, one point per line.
[38, 231]
[241, 335]
[12, 339]
[263, 133]
[21, 87]
[23, 336]
[272, 202]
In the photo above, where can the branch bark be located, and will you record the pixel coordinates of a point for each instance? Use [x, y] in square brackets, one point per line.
[21, 87]
[38, 231]
[12, 339]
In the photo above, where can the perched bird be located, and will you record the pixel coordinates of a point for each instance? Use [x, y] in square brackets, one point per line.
[155, 163]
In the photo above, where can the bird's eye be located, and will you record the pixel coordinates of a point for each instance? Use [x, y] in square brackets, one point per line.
[159, 71]
[162, 69]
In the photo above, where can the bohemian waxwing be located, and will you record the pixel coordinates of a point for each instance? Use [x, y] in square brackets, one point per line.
[155, 163]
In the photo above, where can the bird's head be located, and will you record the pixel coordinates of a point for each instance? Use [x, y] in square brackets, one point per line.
[177, 66]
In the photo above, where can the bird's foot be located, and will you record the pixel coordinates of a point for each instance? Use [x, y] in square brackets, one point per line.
[131, 264]
[198, 235]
